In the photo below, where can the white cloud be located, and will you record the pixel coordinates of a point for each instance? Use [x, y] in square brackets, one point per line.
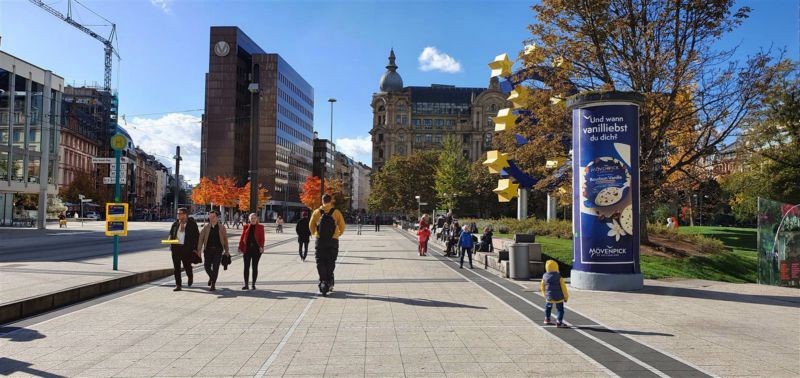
[160, 136]
[163, 4]
[359, 148]
[432, 59]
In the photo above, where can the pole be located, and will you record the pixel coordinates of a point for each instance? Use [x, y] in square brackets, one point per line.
[117, 157]
[177, 188]
[522, 204]
[255, 95]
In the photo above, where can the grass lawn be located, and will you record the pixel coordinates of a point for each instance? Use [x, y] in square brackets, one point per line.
[737, 265]
[737, 239]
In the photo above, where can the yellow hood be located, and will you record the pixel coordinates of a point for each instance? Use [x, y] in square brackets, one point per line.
[551, 266]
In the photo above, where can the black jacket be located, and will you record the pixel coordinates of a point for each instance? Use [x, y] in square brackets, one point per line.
[192, 236]
[303, 232]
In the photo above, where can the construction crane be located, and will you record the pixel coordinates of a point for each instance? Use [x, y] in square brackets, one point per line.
[107, 42]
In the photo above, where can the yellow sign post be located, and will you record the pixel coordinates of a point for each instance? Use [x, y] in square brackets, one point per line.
[116, 219]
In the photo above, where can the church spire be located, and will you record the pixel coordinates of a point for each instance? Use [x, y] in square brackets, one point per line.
[392, 66]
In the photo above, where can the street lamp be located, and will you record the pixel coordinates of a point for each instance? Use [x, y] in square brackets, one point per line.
[419, 207]
[331, 100]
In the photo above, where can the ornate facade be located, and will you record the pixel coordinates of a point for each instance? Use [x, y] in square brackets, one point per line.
[408, 119]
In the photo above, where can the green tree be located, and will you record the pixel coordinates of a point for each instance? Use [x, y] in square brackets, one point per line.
[667, 50]
[452, 174]
[770, 163]
[395, 187]
[482, 201]
[84, 184]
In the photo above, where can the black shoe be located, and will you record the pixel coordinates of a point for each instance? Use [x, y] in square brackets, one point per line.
[177, 288]
[461, 267]
[191, 280]
[213, 288]
[471, 267]
[253, 287]
[209, 282]
[244, 287]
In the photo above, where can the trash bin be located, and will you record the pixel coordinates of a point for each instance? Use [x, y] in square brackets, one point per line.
[518, 256]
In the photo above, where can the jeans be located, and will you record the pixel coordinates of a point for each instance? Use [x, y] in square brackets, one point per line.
[251, 257]
[211, 260]
[559, 311]
[179, 255]
[303, 244]
[359, 229]
[327, 252]
[468, 252]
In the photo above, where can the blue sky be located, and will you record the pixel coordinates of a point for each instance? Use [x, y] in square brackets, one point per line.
[340, 47]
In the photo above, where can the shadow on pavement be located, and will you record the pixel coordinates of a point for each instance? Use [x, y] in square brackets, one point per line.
[285, 294]
[9, 366]
[622, 331]
[19, 334]
[772, 300]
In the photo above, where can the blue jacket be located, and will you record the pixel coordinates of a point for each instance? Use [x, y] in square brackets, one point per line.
[553, 286]
[465, 240]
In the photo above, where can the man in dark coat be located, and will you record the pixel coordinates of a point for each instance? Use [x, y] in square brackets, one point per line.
[185, 251]
[303, 234]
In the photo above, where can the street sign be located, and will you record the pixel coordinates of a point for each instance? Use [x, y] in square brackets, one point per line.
[116, 228]
[118, 142]
[86, 200]
[99, 160]
[423, 203]
[110, 180]
[123, 168]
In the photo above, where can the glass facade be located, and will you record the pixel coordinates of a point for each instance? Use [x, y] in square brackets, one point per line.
[294, 134]
[26, 107]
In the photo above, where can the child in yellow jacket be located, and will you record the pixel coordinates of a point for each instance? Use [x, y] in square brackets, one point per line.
[555, 291]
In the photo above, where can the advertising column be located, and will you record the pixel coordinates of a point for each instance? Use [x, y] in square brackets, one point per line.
[605, 190]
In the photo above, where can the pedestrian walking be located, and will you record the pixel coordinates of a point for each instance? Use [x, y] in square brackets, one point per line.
[62, 220]
[279, 223]
[303, 234]
[424, 233]
[554, 290]
[359, 223]
[185, 231]
[213, 244]
[377, 223]
[465, 243]
[327, 224]
[237, 220]
[251, 244]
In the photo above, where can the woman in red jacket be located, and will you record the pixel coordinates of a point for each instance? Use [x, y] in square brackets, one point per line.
[251, 243]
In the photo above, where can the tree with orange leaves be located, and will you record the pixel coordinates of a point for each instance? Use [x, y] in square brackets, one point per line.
[311, 197]
[224, 192]
[201, 194]
[244, 197]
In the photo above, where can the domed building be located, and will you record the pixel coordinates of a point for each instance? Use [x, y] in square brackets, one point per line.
[408, 119]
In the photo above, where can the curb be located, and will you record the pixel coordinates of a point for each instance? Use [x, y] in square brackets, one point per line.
[27, 307]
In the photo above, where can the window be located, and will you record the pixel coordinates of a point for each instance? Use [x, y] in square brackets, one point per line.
[380, 153]
[380, 138]
[466, 138]
[381, 108]
[418, 138]
[437, 138]
[428, 138]
[487, 139]
[402, 137]
[397, 119]
[404, 120]
[466, 154]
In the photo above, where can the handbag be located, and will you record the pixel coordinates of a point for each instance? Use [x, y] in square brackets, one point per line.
[226, 260]
[196, 259]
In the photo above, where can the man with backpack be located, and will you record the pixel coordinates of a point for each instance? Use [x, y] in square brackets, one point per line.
[327, 224]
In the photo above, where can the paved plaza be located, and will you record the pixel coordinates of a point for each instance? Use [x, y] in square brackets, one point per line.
[396, 314]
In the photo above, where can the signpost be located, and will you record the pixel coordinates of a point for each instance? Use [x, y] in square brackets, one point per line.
[117, 213]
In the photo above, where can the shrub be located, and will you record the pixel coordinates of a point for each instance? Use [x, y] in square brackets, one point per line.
[704, 244]
[557, 228]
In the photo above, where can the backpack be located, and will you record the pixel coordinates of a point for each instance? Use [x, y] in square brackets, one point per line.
[326, 227]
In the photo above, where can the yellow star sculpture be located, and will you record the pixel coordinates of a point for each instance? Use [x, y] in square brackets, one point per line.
[506, 190]
[505, 120]
[519, 96]
[496, 161]
[501, 66]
